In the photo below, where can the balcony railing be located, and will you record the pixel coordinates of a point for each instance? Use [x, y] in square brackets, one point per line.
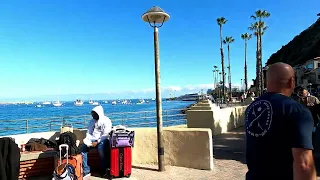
[129, 119]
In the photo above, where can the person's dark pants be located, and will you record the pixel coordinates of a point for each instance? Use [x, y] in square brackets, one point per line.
[104, 154]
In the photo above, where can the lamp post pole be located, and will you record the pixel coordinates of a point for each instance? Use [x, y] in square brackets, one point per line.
[156, 17]
[158, 100]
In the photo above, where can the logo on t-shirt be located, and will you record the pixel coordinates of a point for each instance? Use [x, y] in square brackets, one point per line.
[259, 118]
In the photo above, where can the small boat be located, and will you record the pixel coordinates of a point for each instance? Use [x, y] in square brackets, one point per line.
[153, 99]
[114, 102]
[95, 103]
[90, 101]
[124, 102]
[38, 106]
[78, 102]
[106, 102]
[141, 101]
[46, 103]
[57, 103]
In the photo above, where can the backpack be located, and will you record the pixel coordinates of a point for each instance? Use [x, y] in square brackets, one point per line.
[69, 138]
[64, 172]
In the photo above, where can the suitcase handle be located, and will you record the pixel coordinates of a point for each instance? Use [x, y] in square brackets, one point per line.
[67, 151]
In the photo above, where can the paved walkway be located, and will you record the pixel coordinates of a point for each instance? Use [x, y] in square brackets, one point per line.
[229, 162]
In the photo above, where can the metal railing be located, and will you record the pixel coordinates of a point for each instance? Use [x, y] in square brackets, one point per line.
[170, 117]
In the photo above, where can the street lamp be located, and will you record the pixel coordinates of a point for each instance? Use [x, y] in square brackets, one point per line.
[156, 17]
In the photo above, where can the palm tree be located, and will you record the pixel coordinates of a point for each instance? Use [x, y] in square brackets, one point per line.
[261, 28]
[228, 41]
[246, 37]
[215, 75]
[221, 21]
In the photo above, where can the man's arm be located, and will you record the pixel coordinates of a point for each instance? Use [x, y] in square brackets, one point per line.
[90, 129]
[316, 100]
[106, 130]
[303, 165]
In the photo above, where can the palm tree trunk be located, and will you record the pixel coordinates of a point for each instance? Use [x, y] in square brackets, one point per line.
[229, 73]
[222, 64]
[262, 78]
[258, 68]
[245, 67]
[258, 77]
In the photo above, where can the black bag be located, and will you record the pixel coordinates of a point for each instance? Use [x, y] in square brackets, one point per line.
[68, 138]
[46, 142]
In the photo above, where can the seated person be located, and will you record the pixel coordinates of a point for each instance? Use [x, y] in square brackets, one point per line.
[97, 136]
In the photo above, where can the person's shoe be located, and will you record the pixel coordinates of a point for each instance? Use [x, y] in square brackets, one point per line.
[86, 175]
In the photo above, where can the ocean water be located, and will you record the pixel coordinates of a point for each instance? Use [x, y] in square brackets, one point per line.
[15, 118]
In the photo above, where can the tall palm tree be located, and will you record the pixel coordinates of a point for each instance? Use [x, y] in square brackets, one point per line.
[258, 29]
[259, 15]
[246, 37]
[221, 21]
[215, 75]
[227, 41]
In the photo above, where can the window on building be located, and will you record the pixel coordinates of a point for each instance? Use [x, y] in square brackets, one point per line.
[309, 66]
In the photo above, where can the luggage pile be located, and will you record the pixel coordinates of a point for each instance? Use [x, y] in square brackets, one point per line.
[70, 160]
[121, 143]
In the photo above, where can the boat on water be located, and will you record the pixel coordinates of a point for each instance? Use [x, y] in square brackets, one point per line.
[106, 102]
[114, 102]
[38, 106]
[90, 101]
[46, 102]
[57, 103]
[95, 103]
[141, 101]
[124, 102]
[78, 102]
[153, 99]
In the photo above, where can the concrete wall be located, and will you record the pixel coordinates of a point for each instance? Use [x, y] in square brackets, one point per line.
[207, 115]
[185, 147]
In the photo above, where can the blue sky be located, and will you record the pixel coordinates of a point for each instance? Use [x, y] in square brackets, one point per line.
[72, 47]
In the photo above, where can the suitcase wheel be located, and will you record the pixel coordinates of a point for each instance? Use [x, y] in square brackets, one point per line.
[127, 176]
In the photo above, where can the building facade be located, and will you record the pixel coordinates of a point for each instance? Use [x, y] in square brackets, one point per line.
[308, 73]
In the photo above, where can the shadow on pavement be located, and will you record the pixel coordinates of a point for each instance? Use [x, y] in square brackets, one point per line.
[144, 168]
[230, 146]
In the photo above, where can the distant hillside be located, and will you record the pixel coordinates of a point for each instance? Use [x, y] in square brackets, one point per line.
[303, 47]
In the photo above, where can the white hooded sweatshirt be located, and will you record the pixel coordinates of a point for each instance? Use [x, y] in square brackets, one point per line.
[99, 129]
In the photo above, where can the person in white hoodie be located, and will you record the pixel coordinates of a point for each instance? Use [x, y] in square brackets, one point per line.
[97, 136]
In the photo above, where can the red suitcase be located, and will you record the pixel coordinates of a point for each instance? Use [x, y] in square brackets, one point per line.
[120, 162]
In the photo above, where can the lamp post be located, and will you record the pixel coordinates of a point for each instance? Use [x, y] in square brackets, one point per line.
[156, 17]
[241, 85]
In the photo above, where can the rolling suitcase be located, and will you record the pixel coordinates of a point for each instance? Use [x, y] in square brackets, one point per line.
[75, 161]
[120, 162]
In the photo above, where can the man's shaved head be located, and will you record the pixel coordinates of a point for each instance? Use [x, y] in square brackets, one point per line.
[280, 78]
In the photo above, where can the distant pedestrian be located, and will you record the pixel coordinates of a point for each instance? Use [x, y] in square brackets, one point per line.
[279, 132]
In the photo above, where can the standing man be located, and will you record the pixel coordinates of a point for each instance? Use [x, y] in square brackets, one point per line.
[279, 132]
[97, 137]
[310, 101]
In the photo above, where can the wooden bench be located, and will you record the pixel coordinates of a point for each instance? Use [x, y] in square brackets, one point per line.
[43, 163]
[37, 163]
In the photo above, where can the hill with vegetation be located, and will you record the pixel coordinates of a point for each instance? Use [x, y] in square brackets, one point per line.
[300, 49]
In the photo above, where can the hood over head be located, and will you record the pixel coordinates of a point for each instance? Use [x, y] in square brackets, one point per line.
[99, 111]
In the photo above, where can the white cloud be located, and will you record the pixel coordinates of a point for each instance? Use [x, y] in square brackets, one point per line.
[172, 88]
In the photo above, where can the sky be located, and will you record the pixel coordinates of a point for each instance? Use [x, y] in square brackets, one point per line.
[103, 49]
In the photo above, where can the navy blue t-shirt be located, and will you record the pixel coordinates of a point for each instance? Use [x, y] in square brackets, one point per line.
[274, 124]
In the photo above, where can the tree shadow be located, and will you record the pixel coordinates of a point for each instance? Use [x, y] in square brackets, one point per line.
[230, 145]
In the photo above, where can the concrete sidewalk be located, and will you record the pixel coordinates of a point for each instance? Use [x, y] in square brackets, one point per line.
[229, 162]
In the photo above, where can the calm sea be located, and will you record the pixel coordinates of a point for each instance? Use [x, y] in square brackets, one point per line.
[51, 118]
